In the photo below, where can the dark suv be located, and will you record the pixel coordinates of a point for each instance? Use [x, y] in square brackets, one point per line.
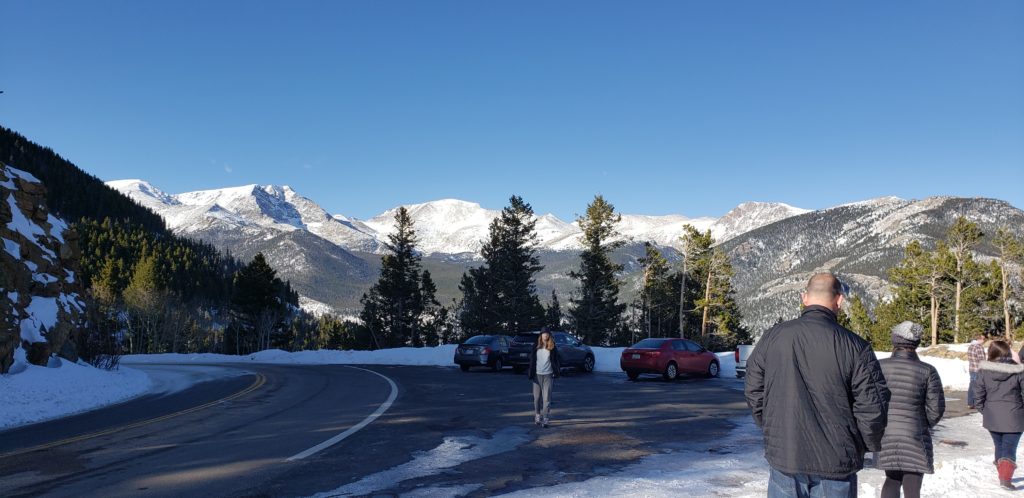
[483, 351]
[572, 351]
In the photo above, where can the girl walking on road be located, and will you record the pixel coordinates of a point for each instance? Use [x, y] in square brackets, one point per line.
[544, 368]
[915, 406]
[1000, 398]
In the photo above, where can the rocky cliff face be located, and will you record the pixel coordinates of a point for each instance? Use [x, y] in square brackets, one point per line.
[40, 293]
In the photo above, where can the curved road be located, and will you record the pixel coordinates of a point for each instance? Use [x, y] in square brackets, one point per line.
[214, 439]
[447, 433]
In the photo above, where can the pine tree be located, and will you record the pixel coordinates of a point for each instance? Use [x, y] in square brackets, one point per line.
[921, 285]
[510, 303]
[858, 318]
[392, 307]
[553, 313]
[260, 302]
[144, 304]
[1011, 249]
[712, 272]
[432, 320]
[657, 298]
[595, 310]
[962, 237]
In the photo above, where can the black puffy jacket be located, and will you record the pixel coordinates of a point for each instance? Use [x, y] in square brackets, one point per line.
[817, 392]
[916, 404]
[999, 395]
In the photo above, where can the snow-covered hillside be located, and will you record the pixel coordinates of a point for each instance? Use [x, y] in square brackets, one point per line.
[264, 210]
[447, 226]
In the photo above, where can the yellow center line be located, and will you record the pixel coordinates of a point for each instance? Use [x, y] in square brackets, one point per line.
[260, 380]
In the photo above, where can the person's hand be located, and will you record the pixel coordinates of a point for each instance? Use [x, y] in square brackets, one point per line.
[871, 459]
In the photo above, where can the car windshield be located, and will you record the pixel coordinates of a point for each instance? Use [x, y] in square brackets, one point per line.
[525, 339]
[649, 344]
[480, 339]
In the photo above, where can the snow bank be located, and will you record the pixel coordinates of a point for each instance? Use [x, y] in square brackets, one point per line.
[954, 373]
[35, 393]
[432, 356]
[606, 359]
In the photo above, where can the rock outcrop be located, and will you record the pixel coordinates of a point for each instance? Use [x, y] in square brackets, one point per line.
[40, 293]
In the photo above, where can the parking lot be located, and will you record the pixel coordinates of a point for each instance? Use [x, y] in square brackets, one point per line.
[600, 422]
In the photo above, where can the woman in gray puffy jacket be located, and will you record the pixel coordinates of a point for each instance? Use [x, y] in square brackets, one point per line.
[915, 406]
[1000, 398]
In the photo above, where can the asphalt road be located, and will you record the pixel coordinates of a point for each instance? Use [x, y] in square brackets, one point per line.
[214, 439]
[447, 431]
[601, 422]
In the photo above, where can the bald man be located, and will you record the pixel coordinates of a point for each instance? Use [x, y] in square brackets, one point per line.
[817, 392]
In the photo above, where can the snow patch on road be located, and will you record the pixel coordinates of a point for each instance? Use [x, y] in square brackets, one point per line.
[735, 467]
[454, 451]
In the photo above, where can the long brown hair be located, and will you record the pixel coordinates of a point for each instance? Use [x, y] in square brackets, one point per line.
[550, 342]
[998, 350]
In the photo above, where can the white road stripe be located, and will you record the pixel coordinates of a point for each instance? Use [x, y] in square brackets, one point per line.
[355, 428]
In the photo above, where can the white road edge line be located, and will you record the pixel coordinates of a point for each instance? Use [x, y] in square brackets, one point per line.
[355, 428]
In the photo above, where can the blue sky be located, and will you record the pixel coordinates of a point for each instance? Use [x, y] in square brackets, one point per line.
[662, 107]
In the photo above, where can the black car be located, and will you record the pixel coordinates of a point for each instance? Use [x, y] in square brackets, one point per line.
[572, 351]
[483, 351]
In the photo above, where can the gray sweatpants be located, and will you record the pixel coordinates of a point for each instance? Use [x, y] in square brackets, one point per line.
[542, 395]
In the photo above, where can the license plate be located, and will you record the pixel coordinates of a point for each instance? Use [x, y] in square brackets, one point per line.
[523, 355]
[636, 357]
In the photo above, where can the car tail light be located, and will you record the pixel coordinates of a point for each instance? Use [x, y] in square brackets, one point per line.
[486, 351]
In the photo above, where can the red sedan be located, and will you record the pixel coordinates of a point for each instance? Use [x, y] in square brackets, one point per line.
[668, 357]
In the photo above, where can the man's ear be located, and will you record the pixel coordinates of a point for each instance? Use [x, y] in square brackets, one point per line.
[839, 302]
[803, 299]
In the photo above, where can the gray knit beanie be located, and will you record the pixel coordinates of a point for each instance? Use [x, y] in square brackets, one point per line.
[907, 335]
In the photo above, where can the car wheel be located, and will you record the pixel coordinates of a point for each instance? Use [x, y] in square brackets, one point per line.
[465, 368]
[740, 375]
[497, 365]
[588, 364]
[632, 374]
[518, 369]
[712, 369]
[671, 371]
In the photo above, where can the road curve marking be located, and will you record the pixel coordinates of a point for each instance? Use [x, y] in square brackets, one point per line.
[355, 428]
[260, 380]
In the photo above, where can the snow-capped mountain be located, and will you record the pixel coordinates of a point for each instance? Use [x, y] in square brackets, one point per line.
[774, 247]
[859, 241]
[260, 211]
[443, 227]
[452, 226]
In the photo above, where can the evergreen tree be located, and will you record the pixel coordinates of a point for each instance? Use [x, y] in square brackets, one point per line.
[962, 237]
[145, 305]
[657, 299]
[595, 309]
[432, 321]
[510, 303]
[921, 287]
[260, 303]
[392, 307]
[553, 313]
[858, 319]
[1011, 253]
[711, 270]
